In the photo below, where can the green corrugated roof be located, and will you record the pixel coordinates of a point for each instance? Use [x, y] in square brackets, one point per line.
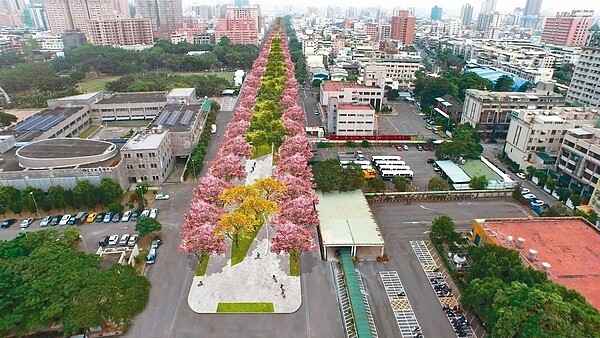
[363, 329]
[545, 157]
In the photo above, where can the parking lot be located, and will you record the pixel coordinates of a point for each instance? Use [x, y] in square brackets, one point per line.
[417, 160]
[404, 122]
[227, 102]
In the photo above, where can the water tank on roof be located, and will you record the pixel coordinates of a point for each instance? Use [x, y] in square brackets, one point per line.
[546, 266]
[532, 254]
[520, 243]
[509, 240]
[159, 129]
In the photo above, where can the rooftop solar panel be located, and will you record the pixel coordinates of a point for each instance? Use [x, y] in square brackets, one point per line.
[162, 118]
[40, 123]
[25, 124]
[57, 119]
[173, 118]
[187, 117]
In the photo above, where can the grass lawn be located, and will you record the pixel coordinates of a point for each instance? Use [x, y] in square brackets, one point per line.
[225, 75]
[89, 131]
[96, 84]
[246, 307]
[239, 253]
[295, 267]
[201, 269]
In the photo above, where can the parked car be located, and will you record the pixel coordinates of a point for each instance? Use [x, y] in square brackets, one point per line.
[159, 197]
[55, 220]
[153, 213]
[430, 161]
[100, 217]
[81, 217]
[124, 239]
[132, 240]
[530, 196]
[72, 220]
[420, 147]
[103, 241]
[7, 223]
[45, 221]
[65, 219]
[525, 191]
[405, 147]
[113, 240]
[26, 223]
[151, 257]
[156, 242]
[116, 217]
[91, 217]
[521, 176]
[126, 216]
[134, 216]
[108, 217]
[145, 213]
[538, 203]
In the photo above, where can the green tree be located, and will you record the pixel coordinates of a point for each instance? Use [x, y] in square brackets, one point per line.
[85, 194]
[465, 143]
[525, 87]
[147, 225]
[401, 183]
[504, 83]
[442, 227]
[116, 207]
[392, 94]
[376, 184]
[479, 182]
[575, 200]
[563, 193]
[16, 206]
[329, 175]
[531, 171]
[7, 119]
[316, 83]
[438, 184]
[110, 191]
[551, 184]
[557, 210]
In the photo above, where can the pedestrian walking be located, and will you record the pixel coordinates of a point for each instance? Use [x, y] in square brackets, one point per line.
[283, 294]
[275, 278]
[200, 283]
[257, 255]
[281, 286]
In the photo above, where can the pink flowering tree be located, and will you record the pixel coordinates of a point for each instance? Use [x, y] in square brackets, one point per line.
[202, 241]
[288, 100]
[241, 113]
[200, 213]
[295, 165]
[295, 145]
[299, 211]
[210, 189]
[237, 128]
[295, 187]
[294, 113]
[227, 167]
[293, 128]
[293, 239]
[237, 146]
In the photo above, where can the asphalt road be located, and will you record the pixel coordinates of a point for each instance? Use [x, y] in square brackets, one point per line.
[309, 102]
[399, 224]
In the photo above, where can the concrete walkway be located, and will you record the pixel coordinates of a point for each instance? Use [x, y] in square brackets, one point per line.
[250, 281]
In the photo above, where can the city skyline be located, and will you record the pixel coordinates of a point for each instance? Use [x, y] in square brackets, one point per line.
[501, 6]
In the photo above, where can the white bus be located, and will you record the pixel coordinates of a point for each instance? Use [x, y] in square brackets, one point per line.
[388, 175]
[387, 163]
[376, 159]
[364, 165]
[393, 167]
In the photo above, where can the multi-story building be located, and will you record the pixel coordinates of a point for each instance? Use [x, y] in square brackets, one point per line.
[242, 25]
[148, 157]
[490, 112]
[59, 16]
[452, 27]
[401, 69]
[51, 43]
[585, 83]
[350, 119]
[208, 37]
[578, 164]
[488, 6]
[532, 7]
[533, 75]
[436, 13]
[535, 136]
[120, 32]
[466, 15]
[348, 93]
[68, 15]
[568, 29]
[165, 15]
[385, 32]
[35, 17]
[372, 30]
[403, 28]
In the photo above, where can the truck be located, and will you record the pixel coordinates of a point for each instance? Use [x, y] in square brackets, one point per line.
[369, 174]
[213, 128]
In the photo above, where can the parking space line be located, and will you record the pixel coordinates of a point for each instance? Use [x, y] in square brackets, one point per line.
[403, 312]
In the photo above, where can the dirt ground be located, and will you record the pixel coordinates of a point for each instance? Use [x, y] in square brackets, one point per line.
[22, 114]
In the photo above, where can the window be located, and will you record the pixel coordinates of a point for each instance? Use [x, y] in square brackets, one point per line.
[127, 155]
[155, 178]
[139, 155]
[153, 165]
[141, 166]
[129, 166]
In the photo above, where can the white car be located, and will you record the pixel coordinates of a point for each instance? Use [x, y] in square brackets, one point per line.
[405, 147]
[521, 176]
[113, 240]
[153, 213]
[126, 216]
[65, 219]
[145, 213]
[525, 191]
[26, 222]
[538, 203]
[530, 196]
[124, 239]
[45, 221]
[161, 197]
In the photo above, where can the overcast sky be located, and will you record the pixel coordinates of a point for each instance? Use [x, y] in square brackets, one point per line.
[453, 5]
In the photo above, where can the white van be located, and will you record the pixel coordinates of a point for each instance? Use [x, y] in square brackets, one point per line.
[213, 128]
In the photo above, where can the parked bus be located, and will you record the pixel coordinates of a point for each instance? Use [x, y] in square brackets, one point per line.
[394, 168]
[388, 175]
[387, 163]
[375, 159]
[361, 163]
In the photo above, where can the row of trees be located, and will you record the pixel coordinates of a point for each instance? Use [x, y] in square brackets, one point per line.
[45, 280]
[206, 85]
[196, 162]
[296, 53]
[329, 175]
[108, 194]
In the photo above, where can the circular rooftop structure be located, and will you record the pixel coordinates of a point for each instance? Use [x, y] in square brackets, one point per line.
[64, 153]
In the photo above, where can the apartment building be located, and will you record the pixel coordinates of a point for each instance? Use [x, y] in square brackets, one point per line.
[568, 29]
[401, 70]
[372, 30]
[348, 93]
[403, 28]
[584, 88]
[350, 119]
[148, 157]
[535, 136]
[242, 25]
[120, 32]
[69, 15]
[165, 15]
[578, 164]
[490, 112]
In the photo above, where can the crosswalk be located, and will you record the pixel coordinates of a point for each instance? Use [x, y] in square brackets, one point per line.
[403, 312]
[431, 270]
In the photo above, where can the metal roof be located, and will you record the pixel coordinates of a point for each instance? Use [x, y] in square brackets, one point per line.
[453, 171]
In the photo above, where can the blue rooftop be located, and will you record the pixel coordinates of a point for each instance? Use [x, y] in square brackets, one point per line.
[493, 75]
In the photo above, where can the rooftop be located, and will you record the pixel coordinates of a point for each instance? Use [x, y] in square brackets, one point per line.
[145, 141]
[340, 86]
[29, 129]
[64, 147]
[351, 225]
[570, 245]
[177, 117]
[453, 171]
[142, 97]
[355, 107]
[182, 92]
[483, 94]
[478, 168]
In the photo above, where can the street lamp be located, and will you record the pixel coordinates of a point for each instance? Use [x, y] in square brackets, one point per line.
[34, 201]
[194, 170]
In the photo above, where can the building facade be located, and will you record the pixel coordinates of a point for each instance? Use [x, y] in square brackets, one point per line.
[568, 29]
[344, 119]
[403, 28]
[466, 14]
[165, 15]
[69, 15]
[348, 93]
[242, 25]
[436, 13]
[584, 88]
[120, 32]
[535, 136]
[490, 112]
[148, 157]
[532, 7]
